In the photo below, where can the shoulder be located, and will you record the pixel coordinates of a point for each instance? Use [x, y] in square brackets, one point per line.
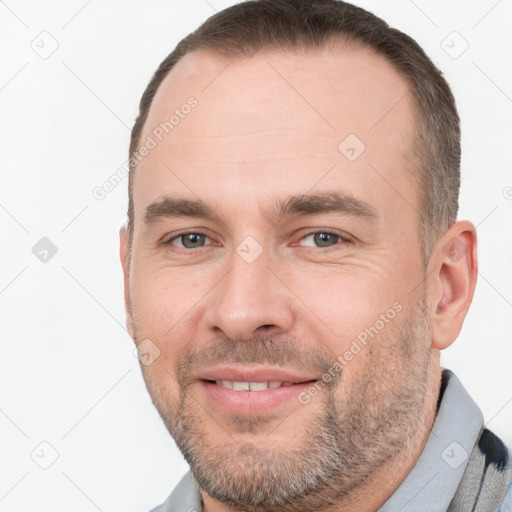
[496, 480]
[506, 504]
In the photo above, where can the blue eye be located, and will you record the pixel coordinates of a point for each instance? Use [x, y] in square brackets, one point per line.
[190, 240]
[323, 239]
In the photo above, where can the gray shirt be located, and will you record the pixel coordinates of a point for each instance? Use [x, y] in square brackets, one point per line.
[433, 481]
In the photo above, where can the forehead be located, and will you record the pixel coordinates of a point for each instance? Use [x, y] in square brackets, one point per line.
[278, 122]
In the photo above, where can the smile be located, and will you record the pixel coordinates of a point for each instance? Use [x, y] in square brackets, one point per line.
[251, 386]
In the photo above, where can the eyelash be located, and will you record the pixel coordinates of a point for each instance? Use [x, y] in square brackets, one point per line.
[345, 239]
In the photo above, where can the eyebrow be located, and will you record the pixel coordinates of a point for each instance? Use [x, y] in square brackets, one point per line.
[294, 206]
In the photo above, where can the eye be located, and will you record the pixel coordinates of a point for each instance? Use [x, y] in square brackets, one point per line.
[189, 240]
[323, 239]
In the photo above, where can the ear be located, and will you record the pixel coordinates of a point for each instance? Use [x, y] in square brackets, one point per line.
[125, 263]
[453, 270]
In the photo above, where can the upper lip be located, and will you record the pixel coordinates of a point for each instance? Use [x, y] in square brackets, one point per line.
[248, 374]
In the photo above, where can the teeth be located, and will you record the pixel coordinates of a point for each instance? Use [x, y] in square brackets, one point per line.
[241, 386]
[258, 386]
[251, 386]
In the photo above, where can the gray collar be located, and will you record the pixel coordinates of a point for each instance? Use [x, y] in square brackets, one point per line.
[186, 497]
[433, 481]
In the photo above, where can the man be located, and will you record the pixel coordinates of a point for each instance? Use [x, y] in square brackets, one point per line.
[293, 267]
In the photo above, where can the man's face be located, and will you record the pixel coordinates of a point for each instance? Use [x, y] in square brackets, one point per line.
[275, 286]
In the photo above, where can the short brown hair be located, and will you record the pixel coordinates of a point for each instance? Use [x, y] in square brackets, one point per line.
[258, 25]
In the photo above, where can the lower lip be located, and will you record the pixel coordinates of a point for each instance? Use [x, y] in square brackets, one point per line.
[254, 402]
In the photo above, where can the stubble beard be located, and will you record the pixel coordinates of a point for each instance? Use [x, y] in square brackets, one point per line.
[338, 451]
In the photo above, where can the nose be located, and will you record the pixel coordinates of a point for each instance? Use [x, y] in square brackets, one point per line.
[249, 301]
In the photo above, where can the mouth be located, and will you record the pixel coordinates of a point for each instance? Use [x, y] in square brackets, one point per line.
[250, 391]
[252, 386]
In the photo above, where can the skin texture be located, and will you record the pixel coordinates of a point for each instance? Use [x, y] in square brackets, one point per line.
[265, 128]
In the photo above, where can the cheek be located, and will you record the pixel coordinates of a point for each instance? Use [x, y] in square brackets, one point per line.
[162, 386]
[353, 313]
[346, 299]
[163, 300]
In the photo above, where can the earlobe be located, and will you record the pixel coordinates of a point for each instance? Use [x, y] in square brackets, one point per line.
[453, 281]
[125, 264]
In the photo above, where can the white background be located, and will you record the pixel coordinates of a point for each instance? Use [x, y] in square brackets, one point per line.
[68, 374]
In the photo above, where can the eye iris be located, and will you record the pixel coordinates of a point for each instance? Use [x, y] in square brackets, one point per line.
[192, 240]
[323, 239]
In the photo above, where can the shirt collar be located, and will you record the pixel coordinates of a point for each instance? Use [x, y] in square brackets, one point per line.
[433, 481]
